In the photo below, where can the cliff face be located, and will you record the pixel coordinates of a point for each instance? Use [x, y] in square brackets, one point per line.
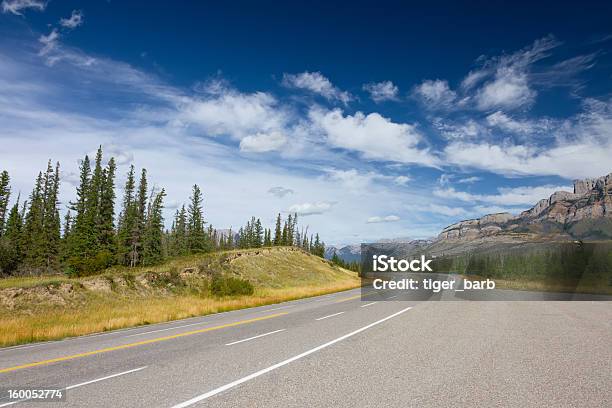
[590, 201]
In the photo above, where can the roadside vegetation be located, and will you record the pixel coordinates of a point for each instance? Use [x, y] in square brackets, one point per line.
[48, 308]
[565, 267]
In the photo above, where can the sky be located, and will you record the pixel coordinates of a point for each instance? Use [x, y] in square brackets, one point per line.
[370, 120]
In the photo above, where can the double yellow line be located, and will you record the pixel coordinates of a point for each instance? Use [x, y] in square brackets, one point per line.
[139, 343]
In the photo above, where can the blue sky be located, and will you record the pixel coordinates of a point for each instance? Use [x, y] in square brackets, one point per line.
[371, 121]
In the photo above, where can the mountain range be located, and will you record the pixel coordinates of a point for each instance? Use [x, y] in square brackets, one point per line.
[582, 215]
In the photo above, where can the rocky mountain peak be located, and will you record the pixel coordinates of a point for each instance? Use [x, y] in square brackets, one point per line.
[591, 200]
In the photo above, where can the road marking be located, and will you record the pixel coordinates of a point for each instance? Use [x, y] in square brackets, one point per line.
[278, 308]
[70, 387]
[369, 304]
[361, 295]
[140, 343]
[283, 363]
[166, 329]
[254, 337]
[391, 297]
[331, 315]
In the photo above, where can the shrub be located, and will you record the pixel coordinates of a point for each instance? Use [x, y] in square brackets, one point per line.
[228, 286]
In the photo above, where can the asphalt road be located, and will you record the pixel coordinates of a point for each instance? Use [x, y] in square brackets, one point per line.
[336, 350]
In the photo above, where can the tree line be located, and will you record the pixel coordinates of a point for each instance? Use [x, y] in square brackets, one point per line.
[92, 236]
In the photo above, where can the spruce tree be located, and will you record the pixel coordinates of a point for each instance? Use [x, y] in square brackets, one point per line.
[33, 233]
[139, 213]
[196, 238]
[127, 219]
[51, 219]
[11, 253]
[277, 231]
[106, 215]
[5, 194]
[77, 246]
[152, 252]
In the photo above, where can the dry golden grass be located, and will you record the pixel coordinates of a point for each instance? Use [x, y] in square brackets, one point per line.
[109, 314]
[278, 275]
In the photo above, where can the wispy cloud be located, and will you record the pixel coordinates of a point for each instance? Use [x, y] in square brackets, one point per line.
[72, 22]
[316, 83]
[311, 208]
[387, 218]
[17, 7]
[280, 191]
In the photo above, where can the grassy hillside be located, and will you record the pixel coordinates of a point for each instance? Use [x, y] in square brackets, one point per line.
[53, 307]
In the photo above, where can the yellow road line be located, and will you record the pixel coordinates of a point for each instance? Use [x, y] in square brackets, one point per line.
[139, 343]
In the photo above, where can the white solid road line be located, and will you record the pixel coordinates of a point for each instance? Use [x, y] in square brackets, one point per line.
[254, 337]
[369, 304]
[278, 308]
[82, 384]
[283, 363]
[331, 315]
[391, 297]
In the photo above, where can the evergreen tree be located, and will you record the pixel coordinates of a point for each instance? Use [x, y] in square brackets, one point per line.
[10, 243]
[77, 245]
[179, 233]
[196, 238]
[33, 233]
[152, 252]
[106, 215]
[51, 219]
[258, 234]
[277, 231]
[127, 219]
[5, 193]
[139, 222]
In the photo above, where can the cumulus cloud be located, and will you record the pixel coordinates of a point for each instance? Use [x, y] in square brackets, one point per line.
[18, 6]
[316, 83]
[280, 191]
[226, 112]
[388, 218]
[373, 135]
[382, 91]
[435, 94]
[263, 142]
[75, 20]
[311, 208]
[507, 77]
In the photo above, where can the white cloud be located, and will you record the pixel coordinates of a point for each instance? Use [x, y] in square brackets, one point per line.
[388, 218]
[469, 180]
[445, 210]
[311, 208]
[280, 191]
[401, 180]
[263, 142]
[435, 94]
[17, 6]
[382, 91]
[506, 123]
[509, 89]
[75, 20]
[256, 116]
[470, 129]
[49, 42]
[373, 135]
[507, 196]
[315, 82]
[506, 78]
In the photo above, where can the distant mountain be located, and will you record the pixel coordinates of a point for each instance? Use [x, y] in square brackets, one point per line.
[351, 253]
[585, 214]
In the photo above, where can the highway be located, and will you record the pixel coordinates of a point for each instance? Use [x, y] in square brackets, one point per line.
[335, 350]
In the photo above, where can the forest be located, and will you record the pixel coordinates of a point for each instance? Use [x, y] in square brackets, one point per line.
[93, 235]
